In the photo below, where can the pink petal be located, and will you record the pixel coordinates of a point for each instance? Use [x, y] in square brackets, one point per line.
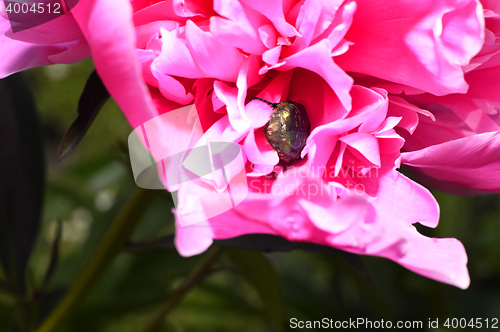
[319, 100]
[259, 112]
[370, 106]
[175, 58]
[318, 59]
[272, 56]
[19, 55]
[216, 60]
[407, 112]
[470, 161]
[268, 36]
[484, 83]
[161, 11]
[229, 96]
[60, 30]
[273, 10]
[389, 123]
[415, 42]
[189, 8]
[369, 110]
[240, 26]
[172, 89]
[258, 150]
[193, 239]
[231, 224]
[306, 22]
[365, 144]
[336, 217]
[339, 26]
[247, 76]
[441, 259]
[389, 142]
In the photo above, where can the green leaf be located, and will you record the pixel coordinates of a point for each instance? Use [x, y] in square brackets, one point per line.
[54, 255]
[265, 243]
[93, 97]
[259, 272]
[273, 243]
[21, 177]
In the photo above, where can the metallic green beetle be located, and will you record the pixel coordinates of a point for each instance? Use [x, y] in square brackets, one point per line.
[287, 129]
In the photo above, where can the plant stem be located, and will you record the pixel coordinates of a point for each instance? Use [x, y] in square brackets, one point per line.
[111, 244]
[196, 275]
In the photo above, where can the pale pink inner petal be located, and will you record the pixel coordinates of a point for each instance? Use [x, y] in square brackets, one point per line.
[217, 60]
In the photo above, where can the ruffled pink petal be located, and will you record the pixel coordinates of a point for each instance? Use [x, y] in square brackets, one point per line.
[441, 259]
[484, 83]
[307, 19]
[206, 102]
[319, 100]
[389, 123]
[229, 96]
[339, 26]
[172, 89]
[216, 60]
[193, 239]
[240, 27]
[415, 42]
[175, 58]
[369, 110]
[401, 108]
[231, 224]
[60, 30]
[168, 11]
[389, 142]
[149, 32]
[369, 105]
[258, 150]
[337, 217]
[444, 260]
[272, 56]
[443, 126]
[259, 112]
[365, 144]
[318, 59]
[189, 8]
[475, 113]
[18, 55]
[470, 161]
[247, 76]
[273, 10]
[268, 35]
[75, 53]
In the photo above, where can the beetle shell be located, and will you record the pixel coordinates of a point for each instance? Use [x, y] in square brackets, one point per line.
[288, 129]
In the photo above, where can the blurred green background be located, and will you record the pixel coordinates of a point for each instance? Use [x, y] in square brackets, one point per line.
[86, 190]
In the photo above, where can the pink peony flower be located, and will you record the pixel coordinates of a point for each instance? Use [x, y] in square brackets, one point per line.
[375, 77]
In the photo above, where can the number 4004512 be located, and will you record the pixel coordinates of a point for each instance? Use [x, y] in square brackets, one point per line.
[36, 8]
